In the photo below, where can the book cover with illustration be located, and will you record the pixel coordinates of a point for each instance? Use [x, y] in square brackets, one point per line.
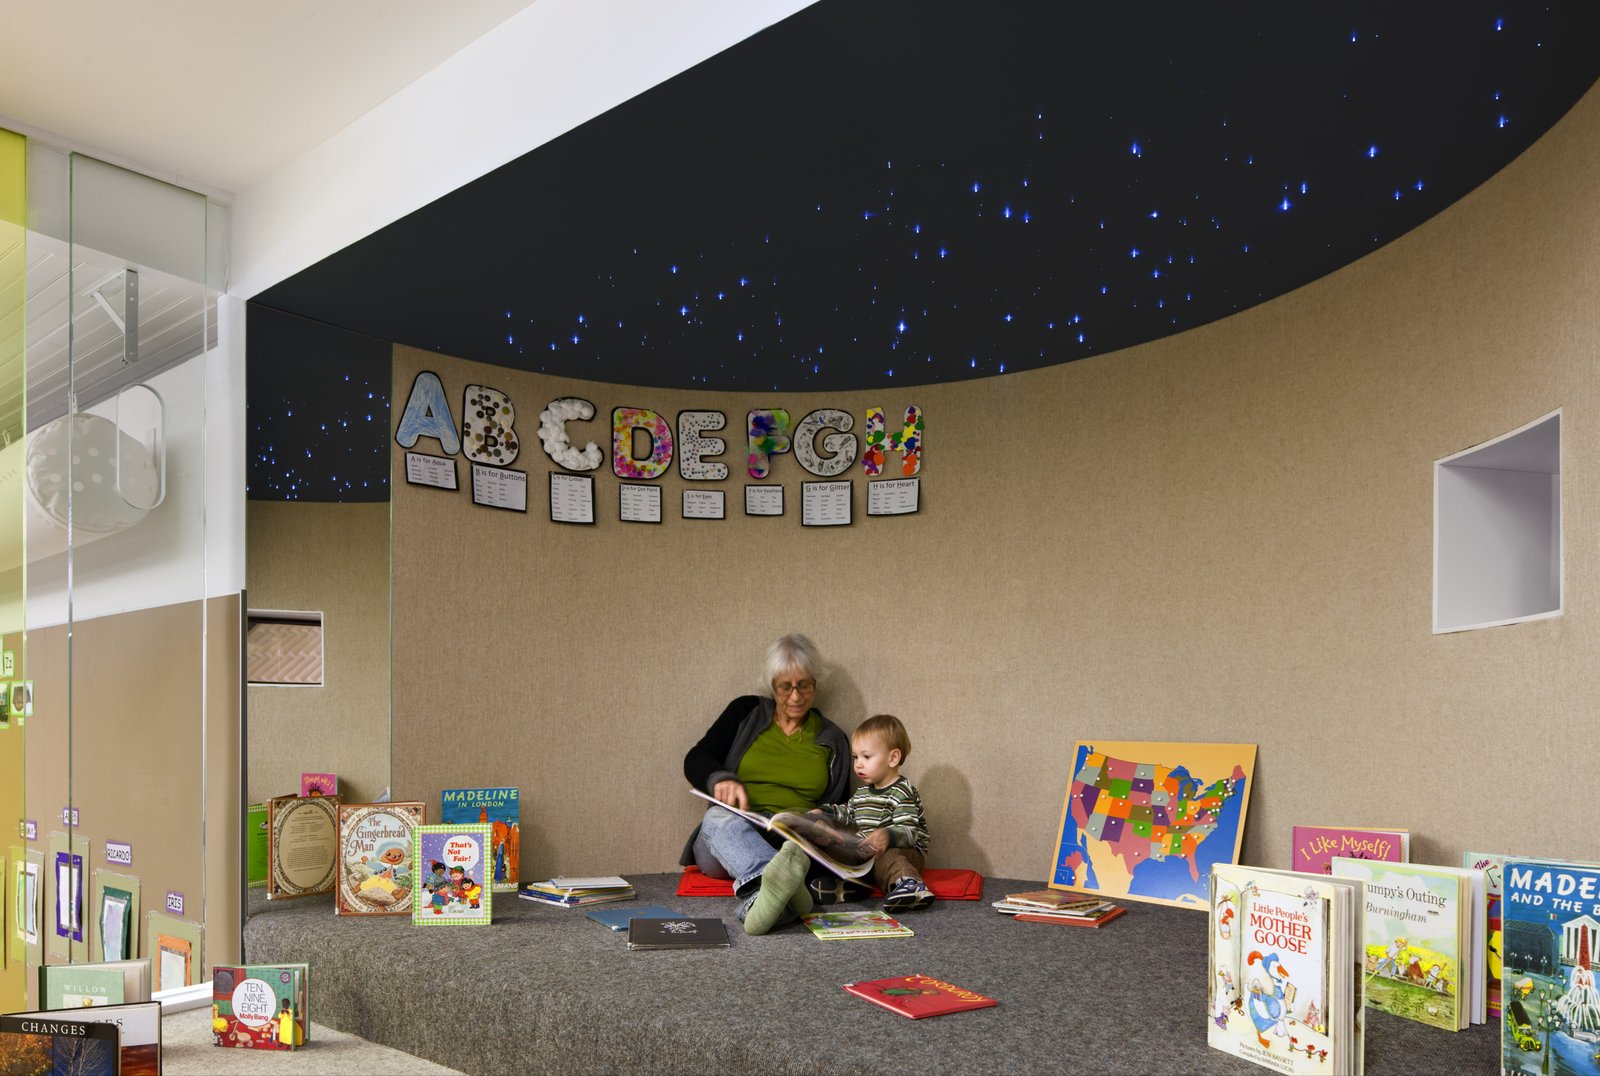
[302, 845]
[255, 843]
[319, 784]
[855, 925]
[376, 874]
[919, 996]
[1490, 865]
[1284, 989]
[138, 1027]
[261, 1006]
[70, 986]
[449, 862]
[1315, 846]
[1416, 935]
[500, 809]
[1146, 821]
[1550, 925]
[40, 1043]
[677, 933]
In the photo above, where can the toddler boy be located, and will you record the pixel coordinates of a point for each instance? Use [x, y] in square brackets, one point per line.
[887, 811]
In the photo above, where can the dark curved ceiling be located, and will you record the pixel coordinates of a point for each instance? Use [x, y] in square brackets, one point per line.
[932, 190]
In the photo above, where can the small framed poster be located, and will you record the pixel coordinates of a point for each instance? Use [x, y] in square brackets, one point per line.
[704, 504]
[894, 497]
[763, 500]
[571, 498]
[499, 487]
[425, 470]
[825, 504]
[639, 503]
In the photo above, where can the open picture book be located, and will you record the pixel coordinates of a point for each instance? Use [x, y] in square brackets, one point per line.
[841, 851]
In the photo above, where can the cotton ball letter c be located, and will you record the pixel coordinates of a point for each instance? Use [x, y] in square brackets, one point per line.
[553, 434]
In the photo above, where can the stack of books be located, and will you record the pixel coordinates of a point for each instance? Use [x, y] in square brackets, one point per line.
[575, 892]
[1062, 909]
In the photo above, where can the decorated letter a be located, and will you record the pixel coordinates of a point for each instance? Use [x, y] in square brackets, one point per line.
[427, 414]
[908, 442]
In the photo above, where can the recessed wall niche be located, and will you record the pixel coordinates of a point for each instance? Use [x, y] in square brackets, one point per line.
[1497, 530]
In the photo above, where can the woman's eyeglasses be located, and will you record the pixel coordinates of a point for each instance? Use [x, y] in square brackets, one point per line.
[804, 687]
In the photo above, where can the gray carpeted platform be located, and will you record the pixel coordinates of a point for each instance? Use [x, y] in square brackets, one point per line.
[545, 989]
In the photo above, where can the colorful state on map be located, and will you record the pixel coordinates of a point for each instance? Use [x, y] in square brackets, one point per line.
[1146, 821]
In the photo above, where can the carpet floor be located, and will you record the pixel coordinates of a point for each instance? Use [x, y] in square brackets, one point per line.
[187, 1050]
[545, 989]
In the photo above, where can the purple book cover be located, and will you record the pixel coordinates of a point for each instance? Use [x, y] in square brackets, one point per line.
[1314, 846]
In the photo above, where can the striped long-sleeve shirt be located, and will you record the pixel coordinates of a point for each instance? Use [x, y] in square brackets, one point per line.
[896, 806]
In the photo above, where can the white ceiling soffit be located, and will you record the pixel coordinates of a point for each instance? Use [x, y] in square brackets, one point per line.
[216, 96]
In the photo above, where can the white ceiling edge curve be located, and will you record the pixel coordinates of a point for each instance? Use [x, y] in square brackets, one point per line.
[549, 68]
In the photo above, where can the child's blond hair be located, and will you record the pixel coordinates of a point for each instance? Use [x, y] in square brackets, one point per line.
[888, 729]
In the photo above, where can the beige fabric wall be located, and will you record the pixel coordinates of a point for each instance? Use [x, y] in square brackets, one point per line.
[332, 559]
[1224, 535]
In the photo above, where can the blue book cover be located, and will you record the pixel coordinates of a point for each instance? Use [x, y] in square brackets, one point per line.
[499, 809]
[617, 918]
[1549, 917]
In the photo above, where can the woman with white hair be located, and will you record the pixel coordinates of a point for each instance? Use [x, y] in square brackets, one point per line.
[765, 754]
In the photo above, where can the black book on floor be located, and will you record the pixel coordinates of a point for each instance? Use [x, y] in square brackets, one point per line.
[677, 933]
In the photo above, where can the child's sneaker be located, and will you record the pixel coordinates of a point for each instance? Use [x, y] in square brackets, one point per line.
[908, 894]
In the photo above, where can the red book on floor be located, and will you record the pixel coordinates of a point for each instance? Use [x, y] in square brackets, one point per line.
[1066, 920]
[917, 996]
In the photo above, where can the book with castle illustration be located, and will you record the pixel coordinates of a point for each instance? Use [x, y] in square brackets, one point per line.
[1285, 987]
[376, 874]
[500, 809]
[1424, 945]
[1315, 846]
[1550, 923]
[840, 850]
[1146, 821]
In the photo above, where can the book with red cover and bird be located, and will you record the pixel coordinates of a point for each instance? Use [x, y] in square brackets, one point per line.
[919, 996]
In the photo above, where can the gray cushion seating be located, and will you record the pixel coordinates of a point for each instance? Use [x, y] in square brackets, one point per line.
[545, 989]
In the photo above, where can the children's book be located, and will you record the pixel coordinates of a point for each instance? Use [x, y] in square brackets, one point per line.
[138, 1033]
[840, 850]
[1146, 821]
[500, 809]
[319, 784]
[261, 1006]
[302, 845]
[617, 918]
[449, 861]
[106, 982]
[1315, 846]
[677, 933]
[855, 925]
[1490, 864]
[1100, 920]
[1550, 925]
[1075, 911]
[576, 892]
[1051, 900]
[48, 1043]
[255, 844]
[919, 996]
[376, 874]
[1284, 986]
[1424, 954]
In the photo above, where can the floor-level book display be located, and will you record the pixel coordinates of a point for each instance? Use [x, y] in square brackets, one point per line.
[1128, 998]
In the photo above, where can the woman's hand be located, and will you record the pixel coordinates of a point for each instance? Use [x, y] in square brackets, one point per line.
[732, 793]
[878, 841]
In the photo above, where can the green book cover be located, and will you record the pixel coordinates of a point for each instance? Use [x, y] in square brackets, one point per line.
[256, 844]
[1414, 940]
[66, 986]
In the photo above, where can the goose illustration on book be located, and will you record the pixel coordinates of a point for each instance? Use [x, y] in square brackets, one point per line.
[1266, 1009]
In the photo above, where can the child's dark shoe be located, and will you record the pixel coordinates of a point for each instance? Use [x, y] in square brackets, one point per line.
[908, 894]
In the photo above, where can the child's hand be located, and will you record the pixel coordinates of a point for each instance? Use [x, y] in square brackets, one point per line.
[877, 840]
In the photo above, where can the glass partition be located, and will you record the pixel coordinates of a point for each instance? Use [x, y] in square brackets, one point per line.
[112, 478]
